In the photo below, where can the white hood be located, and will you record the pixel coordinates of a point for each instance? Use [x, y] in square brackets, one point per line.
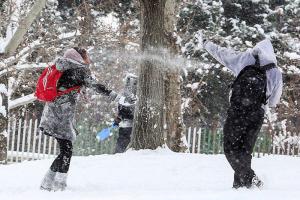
[265, 52]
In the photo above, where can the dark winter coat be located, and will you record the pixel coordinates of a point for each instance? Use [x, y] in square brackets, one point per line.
[58, 116]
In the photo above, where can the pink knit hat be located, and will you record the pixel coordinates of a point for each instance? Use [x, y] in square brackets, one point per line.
[74, 55]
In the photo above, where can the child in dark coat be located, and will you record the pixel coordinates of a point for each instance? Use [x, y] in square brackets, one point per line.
[125, 115]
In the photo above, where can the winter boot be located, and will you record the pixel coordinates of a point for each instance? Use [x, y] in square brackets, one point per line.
[257, 182]
[60, 181]
[237, 182]
[48, 180]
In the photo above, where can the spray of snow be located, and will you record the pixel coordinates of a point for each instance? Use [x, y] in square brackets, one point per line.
[162, 56]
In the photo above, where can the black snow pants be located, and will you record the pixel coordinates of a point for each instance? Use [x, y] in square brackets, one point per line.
[123, 139]
[62, 161]
[240, 133]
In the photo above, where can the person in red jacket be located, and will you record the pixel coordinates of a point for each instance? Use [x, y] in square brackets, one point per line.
[58, 116]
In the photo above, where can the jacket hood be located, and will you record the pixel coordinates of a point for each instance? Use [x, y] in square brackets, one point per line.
[73, 55]
[63, 63]
[265, 52]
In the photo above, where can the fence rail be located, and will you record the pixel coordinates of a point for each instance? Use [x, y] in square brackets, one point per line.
[26, 142]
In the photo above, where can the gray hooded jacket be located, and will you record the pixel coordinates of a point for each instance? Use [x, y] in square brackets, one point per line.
[236, 61]
[58, 116]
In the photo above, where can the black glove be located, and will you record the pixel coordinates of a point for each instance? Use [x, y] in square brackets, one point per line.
[126, 112]
[113, 96]
[117, 120]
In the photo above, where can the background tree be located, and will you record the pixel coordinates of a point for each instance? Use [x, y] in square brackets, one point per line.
[174, 120]
[24, 25]
[3, 119]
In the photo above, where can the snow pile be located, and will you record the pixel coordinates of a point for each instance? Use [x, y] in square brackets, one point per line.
[153, 175]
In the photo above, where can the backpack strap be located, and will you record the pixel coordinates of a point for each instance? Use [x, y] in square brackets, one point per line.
[257, 63]
[262, 69]
[268, 66]
[60, 92]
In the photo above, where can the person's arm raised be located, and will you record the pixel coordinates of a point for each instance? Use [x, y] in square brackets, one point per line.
[233, 60]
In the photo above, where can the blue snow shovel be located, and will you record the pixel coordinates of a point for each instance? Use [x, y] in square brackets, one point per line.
[105, 133]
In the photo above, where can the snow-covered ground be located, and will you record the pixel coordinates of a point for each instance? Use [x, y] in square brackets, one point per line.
[153, 175]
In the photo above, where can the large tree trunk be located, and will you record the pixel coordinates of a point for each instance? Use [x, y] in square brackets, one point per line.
[148, 132]
[24, 25]
[174, 120]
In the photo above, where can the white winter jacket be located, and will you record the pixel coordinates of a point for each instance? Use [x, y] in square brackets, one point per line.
[236, 61]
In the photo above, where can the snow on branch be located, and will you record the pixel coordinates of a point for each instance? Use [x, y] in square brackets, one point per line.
[24, 25]
[3, 90]
[23, 67]
[21, 101]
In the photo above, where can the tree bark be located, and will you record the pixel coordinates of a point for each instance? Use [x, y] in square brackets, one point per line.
[174, 120]
[148, 131]
[24, 25]
[85, 24]
[3, 122]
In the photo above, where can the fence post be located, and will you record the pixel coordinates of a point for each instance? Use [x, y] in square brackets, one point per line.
[218, 141]
[39, 145]
[273, 146]
[288, 144]
[29, 138]
[208, 141]
[44, 146]
[8, 137]
[293, 146]
[199, 140]
[13, 139]
[258, 147]
[222, 141]
[278, 151]
[23, 139]
[264, 144]
[50, 146]
[54, 151]
[189, 138]
[194, 140]
[18, 140]
[213, 136]
[34, 138]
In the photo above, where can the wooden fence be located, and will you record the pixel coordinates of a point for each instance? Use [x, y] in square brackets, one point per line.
[201, 140]
[26, 142]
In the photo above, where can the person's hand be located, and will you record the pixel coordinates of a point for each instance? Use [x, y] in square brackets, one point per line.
[131, 99]
[200, 40]
[116, 122]
[113, 96]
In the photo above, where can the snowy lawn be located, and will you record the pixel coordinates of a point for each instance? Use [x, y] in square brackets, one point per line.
[153, 175]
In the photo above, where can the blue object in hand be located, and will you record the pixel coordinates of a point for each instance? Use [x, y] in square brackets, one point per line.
[105, 133]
